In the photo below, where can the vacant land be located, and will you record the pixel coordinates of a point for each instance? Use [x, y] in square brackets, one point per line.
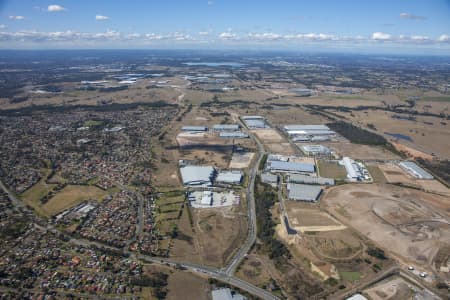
[241, 160]
[331, 169]
[70, 196]
[362, 152]
[403, 221]
[185, 285]
[376, 173]
[211, 238]
[281, 148]
[391, 288]
[268, 136]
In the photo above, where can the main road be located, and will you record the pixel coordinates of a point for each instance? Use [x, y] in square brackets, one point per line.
[251, 235]
[225, 275]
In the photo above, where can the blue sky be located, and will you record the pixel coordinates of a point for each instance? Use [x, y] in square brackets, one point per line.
[398, 26]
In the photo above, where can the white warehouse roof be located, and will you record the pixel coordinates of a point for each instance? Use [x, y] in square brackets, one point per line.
[415, 170]
[198, 175]
[306, 127]
[194, 128]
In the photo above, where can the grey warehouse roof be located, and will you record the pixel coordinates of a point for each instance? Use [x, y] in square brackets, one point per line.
[194, 128]
[304, 192]
[233, 134]
[197, 175]
[291, 166]
[230, 127]
[229, 177]
[306, 127]
[298, 178]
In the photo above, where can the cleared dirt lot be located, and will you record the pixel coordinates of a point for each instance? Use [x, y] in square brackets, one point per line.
[280, 148]
[241, 160]
[361, 152]
[268, 136]
[405, 222]
[395, 174]
[393, 288]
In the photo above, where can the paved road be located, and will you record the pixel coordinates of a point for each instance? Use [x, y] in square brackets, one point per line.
[251, 234]
[198, 269]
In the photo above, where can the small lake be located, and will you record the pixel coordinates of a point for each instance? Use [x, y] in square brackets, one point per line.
[400, 136]
[215, 64]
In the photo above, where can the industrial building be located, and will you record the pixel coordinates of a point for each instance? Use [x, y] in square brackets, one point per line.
[194, 128]
[355, 170]
[294, 167]
[225, 294]
[233, 135]
[198, 175]
[303, 192]
[416, 171]
[255, 122]
[226, 127]
[309, 132]
[269, 178]
[208, 199]
[300, 178]
[315, 150]
[230, 177]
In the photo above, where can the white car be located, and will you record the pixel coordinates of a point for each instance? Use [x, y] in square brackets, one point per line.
[411, 268]
[423, 274]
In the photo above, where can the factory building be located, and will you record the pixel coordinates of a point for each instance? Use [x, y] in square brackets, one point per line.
[198, 175]
[315, 150]
[303, 192]
[225, 294]
[355, 170]
[269, 178]
[309, 132]
[255, 122]
[233, 135]
[230, 177]
[226, 127]
[284, 166]
[299, 178]
[416, 171]
[194, 128]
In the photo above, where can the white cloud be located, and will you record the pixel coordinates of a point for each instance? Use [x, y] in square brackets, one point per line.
[210, 2]
[3, 26]
[411, 16]
[381, 36]
[203, 33]
[444, 38]
[18, 18]
[101, 18]
[227, 36]
[265, 36]
[55, 8]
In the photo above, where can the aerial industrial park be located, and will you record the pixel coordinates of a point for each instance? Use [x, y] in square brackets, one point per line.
[183, 179]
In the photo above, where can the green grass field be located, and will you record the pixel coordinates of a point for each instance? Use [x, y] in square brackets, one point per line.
[351, 276]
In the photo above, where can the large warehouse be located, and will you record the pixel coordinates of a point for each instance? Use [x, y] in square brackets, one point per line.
[230, 177]
[300, 178]
[198, 175]
[416, 171]
[255, 122]
[294, 167]
[303, 192]
[308, 132]
[226, 127]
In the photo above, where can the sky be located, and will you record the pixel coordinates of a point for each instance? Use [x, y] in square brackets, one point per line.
[384, 26]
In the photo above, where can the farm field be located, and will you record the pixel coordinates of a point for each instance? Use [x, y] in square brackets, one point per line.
[330, 169]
